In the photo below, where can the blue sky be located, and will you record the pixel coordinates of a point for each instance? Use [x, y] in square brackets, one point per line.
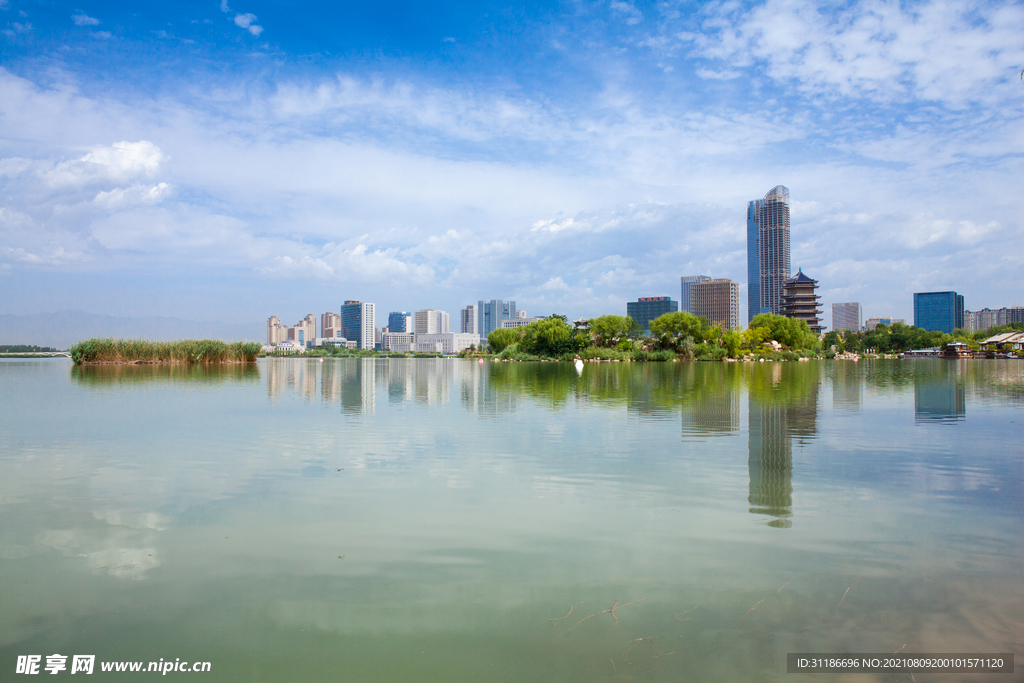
[240, 159]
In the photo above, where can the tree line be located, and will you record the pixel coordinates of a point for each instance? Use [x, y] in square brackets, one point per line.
[684, 335]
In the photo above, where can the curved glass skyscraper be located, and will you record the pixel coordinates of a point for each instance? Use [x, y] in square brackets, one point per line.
[767, 251]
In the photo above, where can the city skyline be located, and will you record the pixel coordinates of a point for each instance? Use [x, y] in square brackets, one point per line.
[569, 158]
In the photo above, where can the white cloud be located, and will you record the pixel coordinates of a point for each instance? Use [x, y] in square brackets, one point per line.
[224, 6]
[83, 19]
[246, 21]
[632, 14]
[941, 51]
[120, 160]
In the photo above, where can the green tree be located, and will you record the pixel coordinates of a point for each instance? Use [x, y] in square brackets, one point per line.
[549, 337]
[672, 328]
[502, 338]
[609, 330]
[732, 340]
[789, 332]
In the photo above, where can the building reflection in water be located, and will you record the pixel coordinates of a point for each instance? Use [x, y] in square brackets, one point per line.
[847, 386]
[298, 376]
[478, 394]
[713, 405]
[353, 382]
[783, 409]
[939, 390]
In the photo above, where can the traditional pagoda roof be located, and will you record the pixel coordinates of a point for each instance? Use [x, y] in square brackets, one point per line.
[800, 277]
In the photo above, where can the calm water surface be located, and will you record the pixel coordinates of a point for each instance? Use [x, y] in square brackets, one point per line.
[445, 520]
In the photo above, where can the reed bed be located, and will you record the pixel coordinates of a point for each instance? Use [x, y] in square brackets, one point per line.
[144, 351]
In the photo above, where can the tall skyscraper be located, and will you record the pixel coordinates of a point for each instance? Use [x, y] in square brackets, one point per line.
[942, 311]
[647, 308]
[716, 299]
[686, 282]
[430, 321]
[489, 315]
[357, 323]
[846, 316]
[399, 321]
[767, 251]
[467, 320]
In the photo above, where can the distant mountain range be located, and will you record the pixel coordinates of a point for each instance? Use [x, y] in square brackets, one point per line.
[64, 328]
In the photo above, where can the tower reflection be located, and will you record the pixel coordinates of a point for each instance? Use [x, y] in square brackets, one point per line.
[783, 408]
[939, 390]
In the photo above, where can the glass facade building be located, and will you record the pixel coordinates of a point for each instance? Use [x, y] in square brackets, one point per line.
[647, 308]
[942, 311]
[399, 321]
[357, 323]
[767, 251]
[489, 315]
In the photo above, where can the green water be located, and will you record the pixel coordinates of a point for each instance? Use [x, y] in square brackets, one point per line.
[446, 520]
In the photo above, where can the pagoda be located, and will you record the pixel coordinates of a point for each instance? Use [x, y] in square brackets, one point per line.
[800, 301]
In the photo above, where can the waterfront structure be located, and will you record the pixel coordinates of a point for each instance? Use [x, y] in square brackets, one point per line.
[398, 342]
[986, 318]
[276, 333]
[717, 300]
[399, 321]
[767, 251]
[846, 316]
[941, 311]
[357, 323]
[445, 342]
[489, 315]
[330, 325]
[647, 308]
[467, 320]
[684, 290]
[800, 301]
[430, 321]
[518, 322]
[888, 321]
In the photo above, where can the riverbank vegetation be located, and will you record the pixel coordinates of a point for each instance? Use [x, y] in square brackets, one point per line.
[145, 351]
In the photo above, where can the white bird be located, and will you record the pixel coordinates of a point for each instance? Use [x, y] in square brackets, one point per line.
[579, 365]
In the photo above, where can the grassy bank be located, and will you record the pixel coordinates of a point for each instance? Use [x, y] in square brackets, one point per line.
[181, 351]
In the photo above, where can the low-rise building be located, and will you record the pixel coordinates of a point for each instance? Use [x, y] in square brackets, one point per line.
[447, 342]
[888, 321]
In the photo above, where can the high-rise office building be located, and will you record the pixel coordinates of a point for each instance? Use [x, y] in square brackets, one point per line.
[846, 316]
[686, 282]
[430, 321]
[800, 301]
[767, 251]
[489, 315]
[357, 323]
[399, 321]
[942, 311]
[718, 300]
[647, 308]
[467, 320]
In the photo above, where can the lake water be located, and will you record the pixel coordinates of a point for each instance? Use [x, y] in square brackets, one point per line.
[446, 520]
